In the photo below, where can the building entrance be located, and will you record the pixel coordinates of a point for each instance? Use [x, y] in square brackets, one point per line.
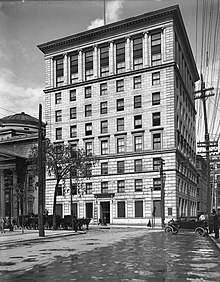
[105, 211]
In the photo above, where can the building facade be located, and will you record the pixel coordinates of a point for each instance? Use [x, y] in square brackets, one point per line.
[215, 181]
[18, 189]
[125, 92]
[201, 166]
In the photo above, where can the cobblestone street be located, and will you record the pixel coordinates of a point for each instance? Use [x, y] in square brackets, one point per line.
[115, 255]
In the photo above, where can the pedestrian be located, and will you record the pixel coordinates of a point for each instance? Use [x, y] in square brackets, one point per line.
[216, 224]
[2, 224]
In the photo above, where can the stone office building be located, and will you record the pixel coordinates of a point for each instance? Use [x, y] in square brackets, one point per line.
[125, 92]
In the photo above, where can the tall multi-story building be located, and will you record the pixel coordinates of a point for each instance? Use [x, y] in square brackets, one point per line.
[201, 165]
[215, 181]
[125, 92]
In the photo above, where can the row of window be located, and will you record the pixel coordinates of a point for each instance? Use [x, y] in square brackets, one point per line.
[120, 123]
[104, 88]
[121, 209]
[104, 58]
[121, 187]
[138, 166]
[138, 144]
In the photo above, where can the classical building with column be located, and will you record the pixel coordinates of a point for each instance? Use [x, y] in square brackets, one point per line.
[18, 184]
[124, 91]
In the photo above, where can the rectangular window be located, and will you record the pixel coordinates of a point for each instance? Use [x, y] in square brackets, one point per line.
[103, 89]
[58, 98]
[120, 104]
[59, 72]
[104, 187]
[74, 209]
[156, 184]
[138, 143]
[138, 208]
[104, 168]
[156, 78]
[58, 133]
[156, 164]
[73, 185]
[156, 119]
[104, 126]
[120, 124]
[120, 85]
[73, 68]
[156, 98]
[88, 147]
[156, 49]
[137, 53]
[89, 65]
[59, 190]
[103, 107]
[138, 165]
[157, 141]
[104, 147]
[138, 185]
[58, 115]
[88, 92]
[88, 129]
[120, 145]
[73, 131]
[120, 57]
[120, 167]
[104, 61]
[170, 212]
[137, 82]
[89, 188]
[121, 208]
[88, 110]
[73, 113]
[121, 186]
[137, 121]
[89, 210]
[72, 95]
[137, 101]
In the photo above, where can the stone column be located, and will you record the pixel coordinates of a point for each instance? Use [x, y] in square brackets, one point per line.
[13, 201]
[53, 71]
[65, 72]
[111, 58]
[163, 47]
[146, 50]
[127, 54]
[95, 61]
[80, 66]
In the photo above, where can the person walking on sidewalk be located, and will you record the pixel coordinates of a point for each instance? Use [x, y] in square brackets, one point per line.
[216, 224]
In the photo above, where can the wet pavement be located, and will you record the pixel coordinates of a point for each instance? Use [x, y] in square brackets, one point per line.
[149, 256]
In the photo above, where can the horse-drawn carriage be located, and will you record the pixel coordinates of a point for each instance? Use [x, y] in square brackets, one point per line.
[200, 227]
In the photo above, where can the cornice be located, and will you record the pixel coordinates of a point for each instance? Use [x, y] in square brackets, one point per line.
[113, 27]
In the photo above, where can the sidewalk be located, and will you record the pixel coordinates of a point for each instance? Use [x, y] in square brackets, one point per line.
[16, 236]
[215, 241]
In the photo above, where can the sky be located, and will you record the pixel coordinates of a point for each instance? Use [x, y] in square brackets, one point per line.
[26, 24]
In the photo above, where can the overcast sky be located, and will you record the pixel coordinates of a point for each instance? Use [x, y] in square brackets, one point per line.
[25, 24]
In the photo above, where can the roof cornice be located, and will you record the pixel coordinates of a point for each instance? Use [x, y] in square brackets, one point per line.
[103, 30]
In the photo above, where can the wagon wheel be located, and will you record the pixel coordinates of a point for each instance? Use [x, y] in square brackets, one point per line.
[200, 231]
[169, 230]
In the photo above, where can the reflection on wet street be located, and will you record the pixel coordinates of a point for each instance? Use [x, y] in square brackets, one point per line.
[152, 257]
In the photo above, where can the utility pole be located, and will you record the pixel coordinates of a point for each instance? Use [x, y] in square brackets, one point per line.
[203, 97]
[104, 14]
[40, 176]
[162, 163]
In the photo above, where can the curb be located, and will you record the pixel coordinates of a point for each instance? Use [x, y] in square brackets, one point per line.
[217, 244]
[38, 239]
